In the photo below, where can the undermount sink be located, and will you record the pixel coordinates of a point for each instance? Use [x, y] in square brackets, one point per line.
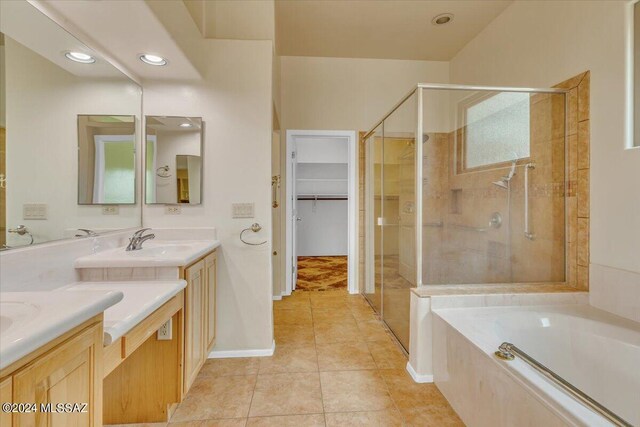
[164, 250]
[15, 312]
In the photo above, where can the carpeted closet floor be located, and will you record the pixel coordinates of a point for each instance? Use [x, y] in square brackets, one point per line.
[322, 273]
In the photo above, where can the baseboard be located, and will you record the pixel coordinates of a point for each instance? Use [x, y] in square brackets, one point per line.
[277, 297]
[259, 352]
[418, 377]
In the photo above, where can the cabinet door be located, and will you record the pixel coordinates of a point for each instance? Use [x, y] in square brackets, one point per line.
[66, 374]
[194, 323]
[211, 264]
[5, 396]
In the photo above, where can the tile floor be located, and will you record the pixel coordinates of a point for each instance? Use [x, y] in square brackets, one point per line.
[334, 365]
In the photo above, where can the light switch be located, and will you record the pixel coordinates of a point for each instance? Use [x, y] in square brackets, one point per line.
[242, 210]
[110, 210]
[34, 211]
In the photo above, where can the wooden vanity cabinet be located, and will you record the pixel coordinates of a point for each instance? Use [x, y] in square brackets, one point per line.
[211, 267]
[200, 315]
[68, 370]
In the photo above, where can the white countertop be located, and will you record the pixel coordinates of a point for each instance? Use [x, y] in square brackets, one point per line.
[139, 301]
[29, 320]
[154, 253]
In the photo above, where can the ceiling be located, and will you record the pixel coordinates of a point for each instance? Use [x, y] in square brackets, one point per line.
[17, 21]
[383, 29]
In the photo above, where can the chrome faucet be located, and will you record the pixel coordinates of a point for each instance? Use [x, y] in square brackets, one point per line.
[87, 233]
[136, 241]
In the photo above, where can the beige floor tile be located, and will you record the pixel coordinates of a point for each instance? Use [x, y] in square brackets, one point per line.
[296, 300]
[292, 316]
[330, 332]
[294, 334]
[335, 315]
[137, 425]
[408, 394]
[373, 330]
[387, 418]
[346, 391]
[316, 420]
[387, 354]
[227, 367]
[290, 358]
[363, 314]
[328, 303]
[228, 422]
[286, 394]
[217, 397]
[344, 356]
[431, 416]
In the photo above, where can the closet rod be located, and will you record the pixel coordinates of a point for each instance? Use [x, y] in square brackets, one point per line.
[322, 198]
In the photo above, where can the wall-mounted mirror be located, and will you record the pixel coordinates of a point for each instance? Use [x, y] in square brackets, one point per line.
[61, 108]
[173, 160]
[106, 160]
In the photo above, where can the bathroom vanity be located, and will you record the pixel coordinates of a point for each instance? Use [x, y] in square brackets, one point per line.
[51, 352]
[145, 375]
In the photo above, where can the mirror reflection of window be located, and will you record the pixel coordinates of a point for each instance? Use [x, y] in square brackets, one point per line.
[106, 154]
[497, 129]
[173, 160]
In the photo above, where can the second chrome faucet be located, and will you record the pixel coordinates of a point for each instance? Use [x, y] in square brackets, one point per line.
[138, 238]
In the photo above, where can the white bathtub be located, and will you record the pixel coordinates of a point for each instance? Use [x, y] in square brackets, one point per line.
[595, 351]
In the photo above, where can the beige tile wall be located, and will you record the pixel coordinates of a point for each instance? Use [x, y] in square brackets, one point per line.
[578, 180]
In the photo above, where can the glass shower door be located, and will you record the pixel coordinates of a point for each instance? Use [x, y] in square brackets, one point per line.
[399, 218]
[372, 219]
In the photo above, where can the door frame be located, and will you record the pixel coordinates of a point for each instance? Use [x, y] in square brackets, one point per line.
[352, 194]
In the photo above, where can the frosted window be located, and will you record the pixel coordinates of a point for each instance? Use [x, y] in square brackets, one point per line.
[497, 130]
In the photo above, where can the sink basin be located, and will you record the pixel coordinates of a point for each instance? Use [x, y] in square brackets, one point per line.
[154, 253]
[158, 251]
[15, 312]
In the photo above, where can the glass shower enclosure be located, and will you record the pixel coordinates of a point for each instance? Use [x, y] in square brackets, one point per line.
[463, 185]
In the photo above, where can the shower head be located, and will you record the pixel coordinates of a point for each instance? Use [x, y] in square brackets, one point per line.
[502, 183]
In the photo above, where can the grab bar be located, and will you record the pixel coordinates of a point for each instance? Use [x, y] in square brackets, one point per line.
[468, 227]
[527, 228]
[508, 351]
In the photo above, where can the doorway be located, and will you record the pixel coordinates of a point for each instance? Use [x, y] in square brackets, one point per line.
[321, 214]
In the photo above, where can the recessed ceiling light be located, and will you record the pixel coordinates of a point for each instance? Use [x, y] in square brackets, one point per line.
[443, 18]
[153, 59]
[185, 125]
[80, 57]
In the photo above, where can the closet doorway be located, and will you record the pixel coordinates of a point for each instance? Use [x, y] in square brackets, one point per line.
[321, 223]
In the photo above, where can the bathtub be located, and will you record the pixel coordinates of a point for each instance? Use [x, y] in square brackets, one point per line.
[597, 352]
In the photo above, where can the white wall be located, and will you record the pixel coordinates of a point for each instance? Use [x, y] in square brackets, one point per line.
[43, 102]
[347, 93]
[234, 100]
[540, 43]
[323, 230]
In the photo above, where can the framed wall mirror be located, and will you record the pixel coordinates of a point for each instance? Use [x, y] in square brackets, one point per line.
[106, 160]
[173, 160]
[68, 134]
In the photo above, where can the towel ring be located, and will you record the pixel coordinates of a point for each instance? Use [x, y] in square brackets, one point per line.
[255, 227]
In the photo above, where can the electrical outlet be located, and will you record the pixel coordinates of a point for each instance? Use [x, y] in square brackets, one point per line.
[172, 209]
[34, 211]
[110, 210]
[165, 331]
[242, 210]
